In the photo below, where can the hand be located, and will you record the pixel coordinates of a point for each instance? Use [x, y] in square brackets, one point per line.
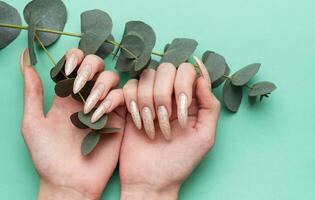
[154, 168]
[54, 143]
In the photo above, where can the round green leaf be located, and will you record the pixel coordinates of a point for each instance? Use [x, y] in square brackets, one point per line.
[216, 66]
[153, 64]
[219, 81]
[8, 15]
[134, 43]
[64, 88]
[76, 122]
[242, 76]
[124, 64]
[106, 49]
[56, 72]
[89, 143]
[86, 119]
[179, 51]
[108, 130]
[30, 41]
[232, 96]
[166, 47]
[96, 26]
[262, 88]
[50, 14]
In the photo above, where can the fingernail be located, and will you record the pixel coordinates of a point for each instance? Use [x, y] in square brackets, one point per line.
[164, 122]
[24, 60]
[71, 63]
[101, 110]
[182, 113]
[134, 111]
[203, 69]
[148, 122]
[93, 98]
[81, 79]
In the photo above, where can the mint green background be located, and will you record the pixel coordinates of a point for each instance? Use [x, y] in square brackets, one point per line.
[262, 152]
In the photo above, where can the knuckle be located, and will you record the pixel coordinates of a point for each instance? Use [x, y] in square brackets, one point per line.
[161, 96]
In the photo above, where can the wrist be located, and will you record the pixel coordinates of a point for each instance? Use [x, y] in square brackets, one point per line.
[48, 191]
[148, 192]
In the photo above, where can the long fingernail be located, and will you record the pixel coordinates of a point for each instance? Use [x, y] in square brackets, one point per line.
[203, 69]
[71, 63]
[164, 122]
[94, 97]
[148, 122]
[24, 60]
[81, 78]
[134, 111]
[182, 113]
[101, 110]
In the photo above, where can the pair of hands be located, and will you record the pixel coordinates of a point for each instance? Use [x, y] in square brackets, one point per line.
[149, 168]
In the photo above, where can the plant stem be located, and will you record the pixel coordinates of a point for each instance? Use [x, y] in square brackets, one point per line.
[54, 62]
[46, 30]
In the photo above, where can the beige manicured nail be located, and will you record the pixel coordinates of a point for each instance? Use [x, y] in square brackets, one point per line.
[182, 110]
[81, 78]
[24, 60]
[148, 122]
[203, 69]
[94, 97]
[164, 122]
[101, 110]
[135, 115]
[71, 63]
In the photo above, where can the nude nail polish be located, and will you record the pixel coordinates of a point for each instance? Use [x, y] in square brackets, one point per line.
[94, 97]
[203, 70]
[164, 122]
[71, 63]
[82, 78]
[148, 123]
[135, 115]
[24, 60]
[182, 110]
[101, 110]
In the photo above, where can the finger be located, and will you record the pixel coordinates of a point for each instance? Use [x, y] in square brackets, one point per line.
[163, 90]
[74, 57]
[105, 81]
[33, 92]
[209, 107]
[204, 71]
[90, 65]
[145, 101]
[185, 78]
[130, 91]
[114, 99]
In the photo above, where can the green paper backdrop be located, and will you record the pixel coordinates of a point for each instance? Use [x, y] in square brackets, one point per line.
[262, 152]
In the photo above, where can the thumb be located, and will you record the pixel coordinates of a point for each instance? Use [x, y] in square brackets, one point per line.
[33, 92]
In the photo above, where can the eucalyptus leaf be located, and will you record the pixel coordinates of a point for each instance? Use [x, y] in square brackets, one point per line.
[8, 15]
[232, 96]
[142, 61]
[252, 100]
[85, 91]
[262, 88]
[89, 143]
[179, 51]
[219, 81]
[124, 64]
[216, 66]
[76, 122]
[56, 72]
[51, 14]
[166, 47]
[153, 64]
[133, 45]
[86, 119]
[30, 41]
[108, 130]
[96, 26]
[242, 76]
[107, 48]
[64, 88]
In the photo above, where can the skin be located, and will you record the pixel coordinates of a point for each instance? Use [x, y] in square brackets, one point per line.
[155, 169]
[150, 167]
[54, 144]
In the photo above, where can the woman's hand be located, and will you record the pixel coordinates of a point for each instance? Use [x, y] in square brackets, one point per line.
[152, 167]
[54, 143]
